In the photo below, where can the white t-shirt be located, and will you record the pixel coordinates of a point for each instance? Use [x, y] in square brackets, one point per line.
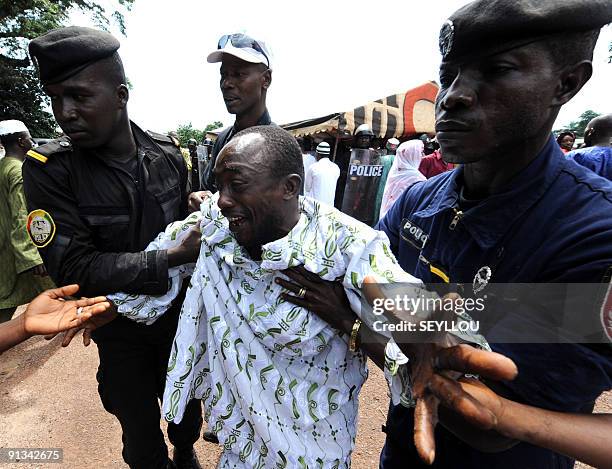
[308, 160]
[321, 180]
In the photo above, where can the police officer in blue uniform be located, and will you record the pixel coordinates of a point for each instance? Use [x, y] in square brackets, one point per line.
[515, 210]
[97, 197]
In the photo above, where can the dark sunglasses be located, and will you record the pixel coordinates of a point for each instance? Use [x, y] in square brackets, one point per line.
[242, 41]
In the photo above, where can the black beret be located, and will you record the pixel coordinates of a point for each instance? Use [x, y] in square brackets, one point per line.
[64, 52]
[487, 27]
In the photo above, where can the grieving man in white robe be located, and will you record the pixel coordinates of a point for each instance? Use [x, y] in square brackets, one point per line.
[279, 385]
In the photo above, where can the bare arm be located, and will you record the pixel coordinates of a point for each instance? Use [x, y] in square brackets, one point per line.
[585, 437]
[12, 333]
[581, 436]
[49, 313]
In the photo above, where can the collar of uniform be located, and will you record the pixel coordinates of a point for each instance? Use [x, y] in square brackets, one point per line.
[145, 143]
[488, 221]
[264, 119]
[445, 198]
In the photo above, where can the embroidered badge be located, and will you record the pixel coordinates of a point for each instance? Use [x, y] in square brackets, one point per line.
[41, 228]
[447, 33]
[481, 279]
[413, 234]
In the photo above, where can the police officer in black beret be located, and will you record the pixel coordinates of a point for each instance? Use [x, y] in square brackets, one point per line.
[514, 211]
[97, 197]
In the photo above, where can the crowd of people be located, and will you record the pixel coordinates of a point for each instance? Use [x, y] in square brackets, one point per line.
[596, 154]
[417, 159]
[410, 161]
[245, 302]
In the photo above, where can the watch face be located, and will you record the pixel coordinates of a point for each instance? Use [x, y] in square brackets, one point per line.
[446, 38]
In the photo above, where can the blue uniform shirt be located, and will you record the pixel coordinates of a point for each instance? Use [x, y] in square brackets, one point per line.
[597, 159]
[552, 223]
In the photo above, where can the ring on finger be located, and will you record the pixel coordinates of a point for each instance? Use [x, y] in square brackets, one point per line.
[301, 293]
[79, 311]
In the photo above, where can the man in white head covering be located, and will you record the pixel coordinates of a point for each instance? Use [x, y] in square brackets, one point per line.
[322, 176]
[14, 133]
[23, 274]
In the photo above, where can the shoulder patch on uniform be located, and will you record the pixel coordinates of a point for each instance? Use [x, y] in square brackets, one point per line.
[42, 153]
[42, 159]
[163, 138]
[40, 227]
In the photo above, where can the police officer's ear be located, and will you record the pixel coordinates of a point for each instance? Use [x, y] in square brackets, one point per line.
[571, 80]
[292, 185]
[123, 95]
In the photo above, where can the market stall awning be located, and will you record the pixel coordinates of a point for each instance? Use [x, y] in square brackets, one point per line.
[327, 124]
[397, 115]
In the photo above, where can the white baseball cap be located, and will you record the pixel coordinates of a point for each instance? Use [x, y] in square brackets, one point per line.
[242, 46]
[12, 126]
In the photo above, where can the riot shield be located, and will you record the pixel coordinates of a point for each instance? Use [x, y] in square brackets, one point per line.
[195, 171]
[202, 152]
[363, 178]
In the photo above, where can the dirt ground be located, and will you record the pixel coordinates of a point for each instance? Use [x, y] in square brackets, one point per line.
[48, 399]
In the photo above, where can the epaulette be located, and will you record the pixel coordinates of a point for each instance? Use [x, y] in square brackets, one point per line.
[42, 153]
[164, 138]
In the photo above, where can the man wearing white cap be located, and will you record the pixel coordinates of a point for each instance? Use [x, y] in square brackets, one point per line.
[23, 274]
[245, 78]
[322, 176]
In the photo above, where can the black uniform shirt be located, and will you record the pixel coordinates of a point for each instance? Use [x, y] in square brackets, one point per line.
[106, 212]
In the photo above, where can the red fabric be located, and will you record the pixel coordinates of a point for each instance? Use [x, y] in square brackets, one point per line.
[432, 165]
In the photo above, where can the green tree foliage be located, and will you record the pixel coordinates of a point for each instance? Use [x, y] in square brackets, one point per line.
[579, 125]
[213, 126]
[187, 131]
[21, 20]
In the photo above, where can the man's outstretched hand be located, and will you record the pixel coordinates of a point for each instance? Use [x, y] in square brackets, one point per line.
[435, 382]
[434, 373]
[50, 313]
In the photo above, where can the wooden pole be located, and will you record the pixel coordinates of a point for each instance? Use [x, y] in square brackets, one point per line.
[336, 145]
